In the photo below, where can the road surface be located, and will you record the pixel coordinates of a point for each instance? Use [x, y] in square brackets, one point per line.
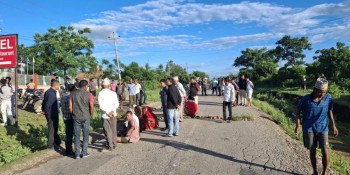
[204, 147]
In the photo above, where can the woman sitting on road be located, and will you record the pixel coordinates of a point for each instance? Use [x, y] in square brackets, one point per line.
[133, 134]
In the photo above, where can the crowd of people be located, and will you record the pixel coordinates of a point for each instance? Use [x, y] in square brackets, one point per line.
[77, 106]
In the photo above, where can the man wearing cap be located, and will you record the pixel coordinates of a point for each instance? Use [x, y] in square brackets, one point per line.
[108, 101]
[315, 111]
[182, 92]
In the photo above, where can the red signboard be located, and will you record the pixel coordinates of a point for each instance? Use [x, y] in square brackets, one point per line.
[8, 51]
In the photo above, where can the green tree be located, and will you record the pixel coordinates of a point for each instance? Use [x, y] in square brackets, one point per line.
[333, 62]
[250, 58]
[199, 74]
[173, 69]
[63, 49]
[291, 50]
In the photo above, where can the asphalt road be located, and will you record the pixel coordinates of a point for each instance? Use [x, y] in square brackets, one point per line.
[204, 146]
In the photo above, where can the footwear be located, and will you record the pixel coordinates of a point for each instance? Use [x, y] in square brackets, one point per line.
[176, 134]
[70, 153]
[84, 155]
[77, 157]
[170, 135]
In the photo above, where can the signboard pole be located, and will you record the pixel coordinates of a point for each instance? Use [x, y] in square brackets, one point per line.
[16, 100]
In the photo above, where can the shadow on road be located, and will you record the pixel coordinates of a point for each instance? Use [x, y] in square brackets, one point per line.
[209, 103]
[185, 147]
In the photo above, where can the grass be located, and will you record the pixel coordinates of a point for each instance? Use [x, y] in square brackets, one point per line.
[248, 117]
[339, 163]
[153, 95]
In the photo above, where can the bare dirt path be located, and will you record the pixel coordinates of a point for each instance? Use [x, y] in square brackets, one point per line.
[203, 147]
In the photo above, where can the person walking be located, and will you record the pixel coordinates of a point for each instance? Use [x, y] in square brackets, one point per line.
[215, 86]
[92, 87]
[137, 92]
[303, 83]
[81, 105]
[315, 112]
[68, 119]
[229, 99]
[50, 109]
[132, 93]
[163, 98]
[6, 103]
[242, 84]
[182, 92]
[174, 100]
[250, 87]
[143, 94]
[204, 86]
[109, 103]
[194, 89]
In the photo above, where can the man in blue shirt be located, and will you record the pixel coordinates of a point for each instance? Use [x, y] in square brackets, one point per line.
[314, 110]
[132, 93]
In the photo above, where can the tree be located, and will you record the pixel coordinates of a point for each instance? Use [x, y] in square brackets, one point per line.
[199, 74]
[63, 49]
[173, 69]
[333, 62]
[108, 70]
[250, 58]
[291, 50]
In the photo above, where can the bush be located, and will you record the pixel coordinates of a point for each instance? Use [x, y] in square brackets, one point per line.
[334, 90]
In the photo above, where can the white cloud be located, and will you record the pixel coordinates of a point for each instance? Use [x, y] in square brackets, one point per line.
[319, 22]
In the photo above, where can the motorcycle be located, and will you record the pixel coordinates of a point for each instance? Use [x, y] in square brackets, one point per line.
[20, 93]
[33, 99]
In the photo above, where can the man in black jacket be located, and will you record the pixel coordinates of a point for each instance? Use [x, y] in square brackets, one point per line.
[173, 103]
[50, 108]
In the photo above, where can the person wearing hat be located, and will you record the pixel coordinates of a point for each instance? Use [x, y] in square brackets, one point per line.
[6, 104]
[109, 103]
[315, 112]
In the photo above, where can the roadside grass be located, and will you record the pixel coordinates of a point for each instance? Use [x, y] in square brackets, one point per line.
[247, 117]
[153, 95]
[339, 163]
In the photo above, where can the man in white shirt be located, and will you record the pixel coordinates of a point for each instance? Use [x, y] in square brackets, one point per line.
[182, 91]
[137, 91]
[229, 98]
[108, 101]
[6, 105]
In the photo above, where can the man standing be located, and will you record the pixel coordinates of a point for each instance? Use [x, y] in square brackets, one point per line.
[113, 86]
[143, 94]
[81, 105]
[229, 98]
[120, 90]
[174, 101]
[92, 87]
[182, 92]
[204, 87]
[6, 104]
[242, 84]
[215, 86]
[315, 111]
[137, 92]
[50, 110]
[66, 83]
[163, 98]
[108, 102]
[13, 90]
[194, 88]
[68, 120]
[132, 93]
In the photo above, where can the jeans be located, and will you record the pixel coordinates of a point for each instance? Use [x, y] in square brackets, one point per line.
[173, 122]
[229, 106]
[53, 137]
[69, 134]
[6, 111]
[204, 90]
[215, 89]
[143, 98]
[166, 115]
[13, 105]
[84, 126]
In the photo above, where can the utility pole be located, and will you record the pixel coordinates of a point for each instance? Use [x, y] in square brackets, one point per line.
[115, 38]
